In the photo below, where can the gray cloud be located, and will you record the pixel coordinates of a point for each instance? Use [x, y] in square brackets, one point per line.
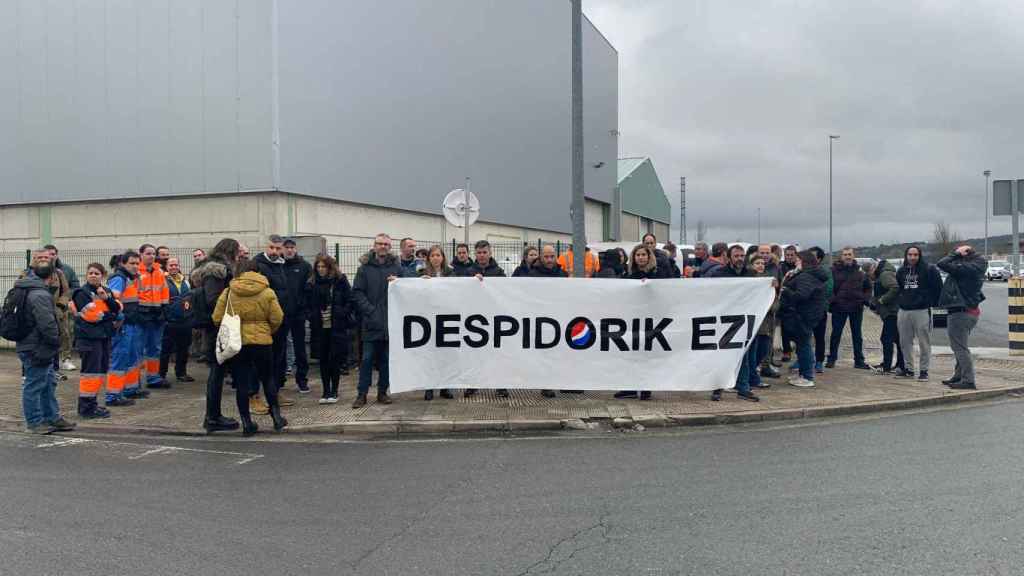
[739, 98]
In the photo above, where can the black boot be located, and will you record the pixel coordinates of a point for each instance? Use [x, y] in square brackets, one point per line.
[446, 394]
[219, 424]
[88, 409]
[280, 423]
[428, 395]
[248, 426]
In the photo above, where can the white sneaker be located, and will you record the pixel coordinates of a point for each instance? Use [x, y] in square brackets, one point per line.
[67, 365]
[801, 382]
[332, 400]
[324, 401]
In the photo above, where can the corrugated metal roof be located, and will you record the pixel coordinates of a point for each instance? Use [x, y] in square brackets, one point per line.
[628, 165]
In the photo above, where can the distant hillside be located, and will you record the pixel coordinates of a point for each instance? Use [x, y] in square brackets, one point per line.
[996, 245]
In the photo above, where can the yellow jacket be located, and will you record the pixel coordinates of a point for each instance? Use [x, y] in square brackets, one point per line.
[256, 304]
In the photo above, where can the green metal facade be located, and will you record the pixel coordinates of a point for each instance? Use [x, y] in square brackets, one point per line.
[641, 190]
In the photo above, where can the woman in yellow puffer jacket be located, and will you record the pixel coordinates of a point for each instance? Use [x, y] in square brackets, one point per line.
[250, 298]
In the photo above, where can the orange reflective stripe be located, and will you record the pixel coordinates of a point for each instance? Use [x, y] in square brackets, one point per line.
[115, 382]
[152, 366]
[90, 384]
[153, 290]
[131, 378]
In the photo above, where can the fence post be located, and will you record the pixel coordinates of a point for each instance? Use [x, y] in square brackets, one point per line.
[337, 252]
[28, 258]
[558, 248]
[452, 253]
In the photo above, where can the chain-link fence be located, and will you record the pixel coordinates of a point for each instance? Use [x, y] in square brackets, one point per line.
[13, 263]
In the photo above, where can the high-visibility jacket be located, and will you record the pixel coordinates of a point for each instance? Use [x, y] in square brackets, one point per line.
[94, 318]
[126, 289]
[153, 292]
[590, 263]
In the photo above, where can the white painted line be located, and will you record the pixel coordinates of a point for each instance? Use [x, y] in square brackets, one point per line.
[68, 442]
[159, 450]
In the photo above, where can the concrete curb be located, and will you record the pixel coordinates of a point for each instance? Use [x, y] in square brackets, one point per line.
[404, 428]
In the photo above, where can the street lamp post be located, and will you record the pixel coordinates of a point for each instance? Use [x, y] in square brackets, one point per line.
[831, 137]
[987, 173]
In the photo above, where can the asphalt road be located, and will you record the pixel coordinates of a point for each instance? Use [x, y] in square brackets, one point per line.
[993, 326]
[926, 494]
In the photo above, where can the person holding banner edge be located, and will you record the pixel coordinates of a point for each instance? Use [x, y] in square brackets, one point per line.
[484, 267]
[377, 269]
[735, 267]
[547, 266]
[437, 267]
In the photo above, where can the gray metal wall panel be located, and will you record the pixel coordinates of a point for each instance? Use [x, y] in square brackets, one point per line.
[133, 98]
[600, 114]
[395, 103]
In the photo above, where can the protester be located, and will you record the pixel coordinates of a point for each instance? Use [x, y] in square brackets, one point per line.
[67, 320]
[611, 265]
[198, 255]
[736, 268]
[886, 304]
[298, 273]
[671, 252]
[767, 252]
[788, 265]
[643, 266]
[719, 255]
[331, 303]
[771, 265]
[802, 304]
[243, 252]
[59, 289]
[530, 256]
[95, 311]
[700, 255]
[547, 266]
[38, 349]
[410, 264]
[177, 335]
[437, 267]
[210, 280]
[852, 290]
[660, 257]
[484, 267]
[462, 261]
[370, 295]
[762, 345]
[590, 263]
[125, 384]
[920, 286]
[250, 297]
[822, 327]
[962, 297]
[154, 297]
[272, 267]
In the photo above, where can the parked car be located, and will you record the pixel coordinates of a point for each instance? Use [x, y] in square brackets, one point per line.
[998, 270]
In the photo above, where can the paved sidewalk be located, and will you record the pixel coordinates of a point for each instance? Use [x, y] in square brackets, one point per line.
[844, 390]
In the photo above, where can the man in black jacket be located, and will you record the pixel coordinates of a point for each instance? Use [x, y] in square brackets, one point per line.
[298, 274]
[271, 264]
[484, 267]
[370, 296]
[801, 309]
[961, 297]
[462, 261]
[919, 286]
[734, 268]
[545, 267]
[852, 290]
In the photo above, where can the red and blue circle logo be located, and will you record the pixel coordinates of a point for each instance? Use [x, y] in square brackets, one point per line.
[580, 334]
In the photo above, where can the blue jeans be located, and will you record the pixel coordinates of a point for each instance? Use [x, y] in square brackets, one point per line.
[374, 354]
[743, 378]
[805, 356]
[39, 392]
[759, 350]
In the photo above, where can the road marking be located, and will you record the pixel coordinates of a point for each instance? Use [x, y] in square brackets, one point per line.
[67, 442]
[241, 458]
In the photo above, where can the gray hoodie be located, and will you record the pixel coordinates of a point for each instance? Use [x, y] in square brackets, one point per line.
[44, 339]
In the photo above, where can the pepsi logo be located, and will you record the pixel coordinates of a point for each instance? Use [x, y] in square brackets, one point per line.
[581, 334]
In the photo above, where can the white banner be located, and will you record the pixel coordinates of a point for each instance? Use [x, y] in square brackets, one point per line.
[589, 334]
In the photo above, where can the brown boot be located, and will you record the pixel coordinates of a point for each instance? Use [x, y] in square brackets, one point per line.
[360, 401]
[258, 406]
[383, 398]
[284, 400]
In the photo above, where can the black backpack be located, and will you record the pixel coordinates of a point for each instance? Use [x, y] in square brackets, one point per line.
[15, 321]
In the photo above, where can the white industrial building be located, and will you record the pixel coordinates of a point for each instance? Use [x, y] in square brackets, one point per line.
[187, 120]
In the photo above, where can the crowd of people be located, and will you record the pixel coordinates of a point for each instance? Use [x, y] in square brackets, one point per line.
[134, 314]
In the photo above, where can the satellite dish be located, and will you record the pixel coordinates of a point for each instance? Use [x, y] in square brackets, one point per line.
[456, 208]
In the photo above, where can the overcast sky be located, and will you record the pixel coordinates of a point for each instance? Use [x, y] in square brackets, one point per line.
[739, 97]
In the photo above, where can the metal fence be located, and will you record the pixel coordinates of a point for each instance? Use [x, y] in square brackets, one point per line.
[13, 263]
